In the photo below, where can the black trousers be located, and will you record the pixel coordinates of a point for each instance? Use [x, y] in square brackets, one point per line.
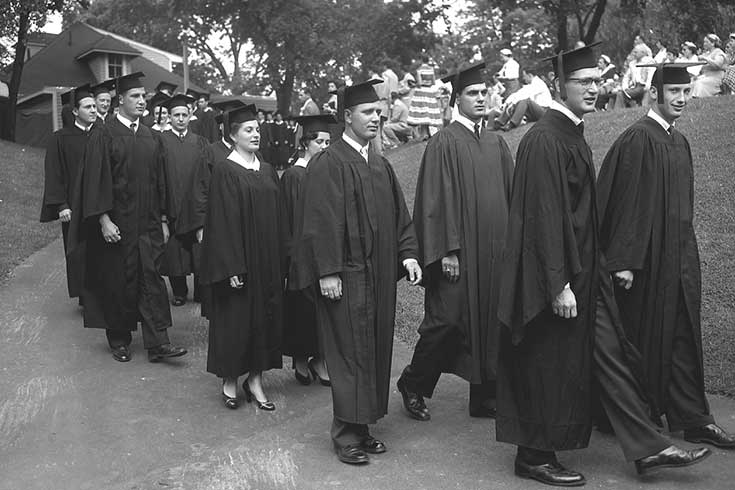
[686, 406]
[179, 287]
[347, 434]
[151, 337]
[620, 394]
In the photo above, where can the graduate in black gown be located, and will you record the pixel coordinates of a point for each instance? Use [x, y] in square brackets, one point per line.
[300, 337]
[102, 93]
[243, 259]
[646, 231]
[280, 138]
[154, 117]
[124, 229]
[460, 215]
[354, 240]
[222, 147]
[186, 156]
[64, 157]
[561, 332]
[206, 126]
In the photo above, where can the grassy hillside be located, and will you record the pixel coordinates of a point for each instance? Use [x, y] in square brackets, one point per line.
[21, 190]
[710, 126]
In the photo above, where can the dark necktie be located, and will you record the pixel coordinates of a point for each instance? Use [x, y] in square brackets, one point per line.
[477, 130]
[133, 127]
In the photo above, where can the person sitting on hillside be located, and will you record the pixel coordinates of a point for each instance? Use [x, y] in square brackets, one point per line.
[709, 81]
[635, 80]
[530, 102]
[728, 82]
[397, 128]
[609, 77]
[688, 54]
[509, 74]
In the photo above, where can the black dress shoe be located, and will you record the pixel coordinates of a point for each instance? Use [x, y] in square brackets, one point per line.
[230, 402]
[158, 354]
[266, 405]
[482, 411]
[304, 379]
[710, 434]
[178, 301]
[671, 457]
[121, 354]
[372, 445]
[351, 454]
[550, 473]
[413, 402]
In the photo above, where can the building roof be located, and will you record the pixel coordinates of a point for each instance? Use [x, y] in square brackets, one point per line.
[41, 38]
[107, 44]
[62, 63]
[142, 47]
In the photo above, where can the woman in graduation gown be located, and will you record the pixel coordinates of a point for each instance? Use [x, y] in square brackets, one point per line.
[242, 263]
[300, 339]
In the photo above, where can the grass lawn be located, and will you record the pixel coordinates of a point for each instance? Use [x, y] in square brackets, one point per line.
[709, 124]
[21, 190]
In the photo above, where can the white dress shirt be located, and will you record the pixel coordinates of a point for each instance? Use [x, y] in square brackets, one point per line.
[362, 150]
[664, 124]
[127, 122]
[565, 110]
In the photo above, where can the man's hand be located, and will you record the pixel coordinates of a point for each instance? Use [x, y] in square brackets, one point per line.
[237, 282]
[110, 231]
[200, 235]
[331, 287]
[565, 304]
[65, 215]
[450, 267]
[166, 233]
[414, 271]
[624, 279]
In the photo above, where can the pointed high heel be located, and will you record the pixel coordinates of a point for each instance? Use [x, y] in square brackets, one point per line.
[229, 401]
[324, 382]
[304, 379]
[266, 405]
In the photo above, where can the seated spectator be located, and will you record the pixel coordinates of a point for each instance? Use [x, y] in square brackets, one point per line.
[494, 99]
[396, 129]
[661, 53]
[509, 74]
[530, 102]
[728, 82]
[609, 77]
[709, 81]
[689, 55]
[636, 81]
[330, 106]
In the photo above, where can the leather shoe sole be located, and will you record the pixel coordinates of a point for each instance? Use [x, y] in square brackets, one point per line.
[550, 474]
[646, 465]
[121, 354]
[421, 414]
[352, 455]
[159, 355]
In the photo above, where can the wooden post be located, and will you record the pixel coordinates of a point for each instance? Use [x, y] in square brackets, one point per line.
[185, 55]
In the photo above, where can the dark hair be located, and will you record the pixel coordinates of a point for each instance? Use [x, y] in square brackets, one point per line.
[234, 127]
[307, 137]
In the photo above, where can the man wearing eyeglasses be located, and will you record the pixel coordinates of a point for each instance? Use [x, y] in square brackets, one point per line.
[561, 330]
[647, 233]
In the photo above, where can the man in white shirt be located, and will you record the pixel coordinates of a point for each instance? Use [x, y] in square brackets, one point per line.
[509, 74]
[397, 126]
[636, 80]
[530, 102]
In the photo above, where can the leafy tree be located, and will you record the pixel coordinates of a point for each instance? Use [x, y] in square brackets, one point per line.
[17, 19]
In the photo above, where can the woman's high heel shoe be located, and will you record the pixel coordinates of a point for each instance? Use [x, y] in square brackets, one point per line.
[266, 405]
[229, 401]
[304, 379]
[324, 382]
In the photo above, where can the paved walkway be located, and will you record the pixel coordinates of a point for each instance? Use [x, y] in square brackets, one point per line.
[72, 418]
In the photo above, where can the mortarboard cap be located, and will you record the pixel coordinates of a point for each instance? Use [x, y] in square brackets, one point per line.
[178, 100]
[166, 87]
[566, 62]
[127, 82]
[669, 74]
[225, 106]
[197, 94]
[313, 124]
[465, 78]
[158, 98]
[361, 93]
[75, 95]
[241, 114]
[103, 87]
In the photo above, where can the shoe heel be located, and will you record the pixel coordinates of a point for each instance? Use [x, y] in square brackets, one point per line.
[248, 393]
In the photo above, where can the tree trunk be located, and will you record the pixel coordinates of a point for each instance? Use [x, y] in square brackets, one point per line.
[14, 87]
[285, 90]
[562, 34]
[594, 25]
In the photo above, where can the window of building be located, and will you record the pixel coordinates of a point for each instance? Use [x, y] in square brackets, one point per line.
[114, 65]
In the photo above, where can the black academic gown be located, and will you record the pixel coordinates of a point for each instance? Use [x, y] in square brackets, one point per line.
[646, 201]
[184, 161]
[300, 337]
[280, 136]
[220, 151]
[461, 207]
[353, 222]
[64, 157]
[243, 236]
[544, 389]
[123, 175]
[207, 125]
[266, 141]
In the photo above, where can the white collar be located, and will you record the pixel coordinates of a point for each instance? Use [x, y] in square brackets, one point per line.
[664, 124]
[467, 122]
[356, 146]
[227, 144]
[127, 122]
[238, 159]
[76, 123]
[565, 110]
[179, 135]
[301, 162]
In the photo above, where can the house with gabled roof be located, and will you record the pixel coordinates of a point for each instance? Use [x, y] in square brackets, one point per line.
[82, 54]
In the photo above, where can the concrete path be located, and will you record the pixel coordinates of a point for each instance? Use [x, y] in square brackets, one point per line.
[72, 418]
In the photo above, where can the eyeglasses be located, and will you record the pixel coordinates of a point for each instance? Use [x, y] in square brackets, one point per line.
[586, 82]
